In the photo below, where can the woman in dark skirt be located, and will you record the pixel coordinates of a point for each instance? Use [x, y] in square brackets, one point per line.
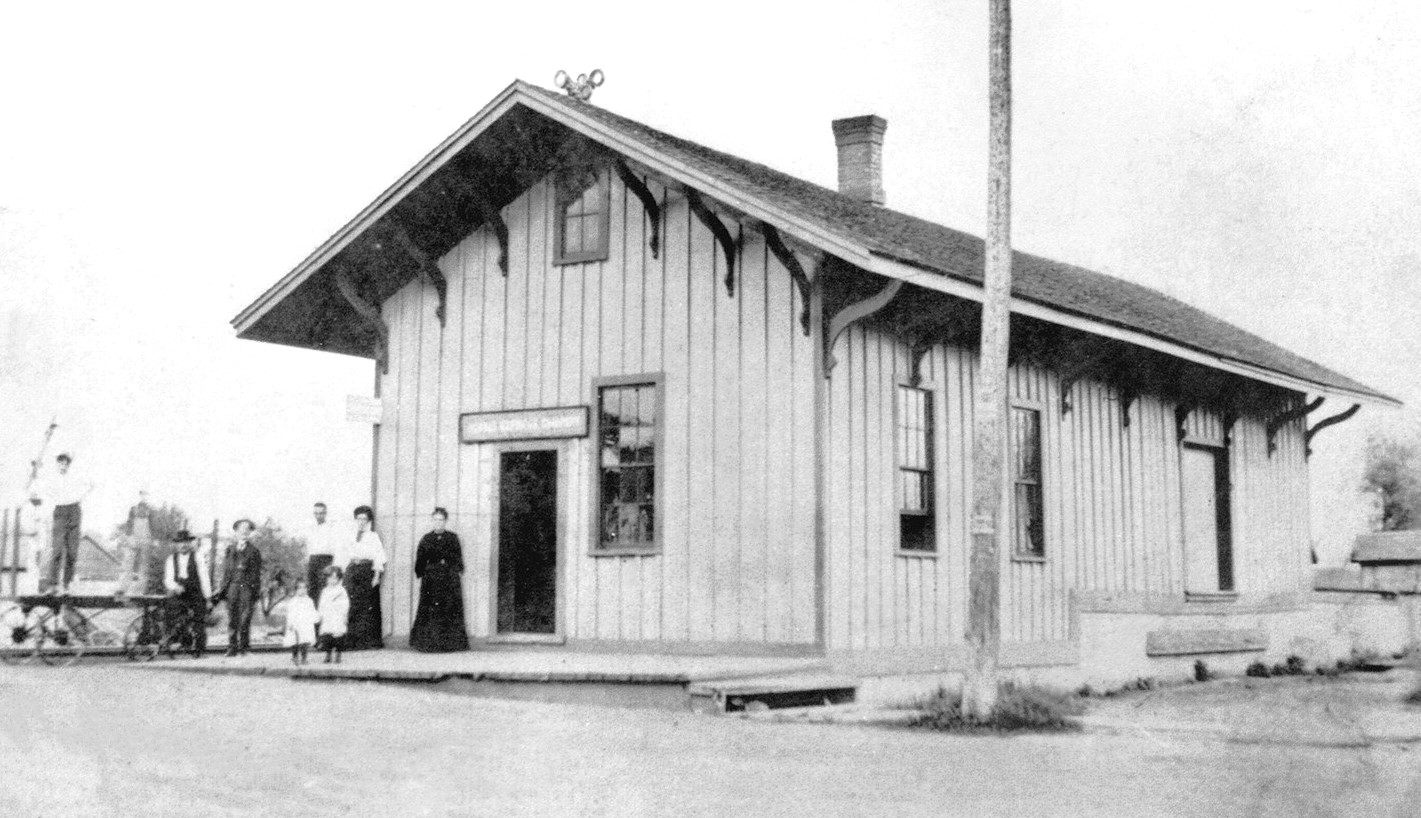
[439, 620]
[365, 564]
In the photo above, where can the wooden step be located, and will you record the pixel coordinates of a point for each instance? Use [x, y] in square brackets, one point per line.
[771, 692]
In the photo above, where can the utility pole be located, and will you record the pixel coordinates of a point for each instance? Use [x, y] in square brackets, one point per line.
[979, 693]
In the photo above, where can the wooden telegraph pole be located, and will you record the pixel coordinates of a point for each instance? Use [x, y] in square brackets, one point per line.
[979, 692]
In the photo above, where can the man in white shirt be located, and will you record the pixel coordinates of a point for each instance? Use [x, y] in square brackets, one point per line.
[64, 491]
[321, 543]
[189, 587]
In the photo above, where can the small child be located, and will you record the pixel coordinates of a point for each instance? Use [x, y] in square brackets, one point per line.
[334, 612]
[301, 619]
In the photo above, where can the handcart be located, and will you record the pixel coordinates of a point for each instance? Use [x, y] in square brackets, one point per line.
[59, 629]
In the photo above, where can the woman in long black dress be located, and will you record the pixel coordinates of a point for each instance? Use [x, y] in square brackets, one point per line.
[365, 563]
[439, 562]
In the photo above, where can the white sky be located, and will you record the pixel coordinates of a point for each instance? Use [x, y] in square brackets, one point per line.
[163, 164]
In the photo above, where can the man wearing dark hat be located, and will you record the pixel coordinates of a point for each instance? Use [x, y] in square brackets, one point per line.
[188, 589]
[241, 586]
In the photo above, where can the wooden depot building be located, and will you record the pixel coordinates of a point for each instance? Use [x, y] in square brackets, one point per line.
[676, 401]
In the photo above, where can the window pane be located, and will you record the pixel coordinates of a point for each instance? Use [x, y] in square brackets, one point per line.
[916, 533]
[591, 199]
[572, 236]
[1026, 442]
[611, 485]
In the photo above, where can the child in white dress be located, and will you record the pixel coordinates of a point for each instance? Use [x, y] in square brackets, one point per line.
[334, 613]
[301, 619]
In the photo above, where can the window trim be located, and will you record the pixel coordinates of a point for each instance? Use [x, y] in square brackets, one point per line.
[1017, 553]
[930, 389]
[656, 547]
[561, 198]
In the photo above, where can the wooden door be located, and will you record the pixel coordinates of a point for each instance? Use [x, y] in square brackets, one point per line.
[527, 543]
[1207, 547]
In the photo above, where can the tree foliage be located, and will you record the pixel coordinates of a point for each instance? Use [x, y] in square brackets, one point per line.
[1393, 473]
[283, 560]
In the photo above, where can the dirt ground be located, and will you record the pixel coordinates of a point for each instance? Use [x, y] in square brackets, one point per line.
[107, 739]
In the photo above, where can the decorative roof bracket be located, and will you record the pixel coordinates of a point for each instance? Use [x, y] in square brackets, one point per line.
[493, 217]
[722, 235]
[1324, 423]
[1128, 395]
[856, 311]
[428, 269]
[796, 270]
[372, 316]
[635, 184]
[1181, 420]
[1078, 370]
[1282, 419]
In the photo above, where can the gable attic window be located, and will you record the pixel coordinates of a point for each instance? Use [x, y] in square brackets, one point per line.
[581, 217]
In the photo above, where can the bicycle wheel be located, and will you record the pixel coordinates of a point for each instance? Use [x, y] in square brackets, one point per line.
[143, 639]
[17, 637]
[58, 644]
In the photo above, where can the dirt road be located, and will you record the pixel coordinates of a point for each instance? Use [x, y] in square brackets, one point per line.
[108, 739]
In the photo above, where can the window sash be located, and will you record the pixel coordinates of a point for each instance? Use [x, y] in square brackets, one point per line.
[1028, 511]
[913, 439]
[626, 486]
[583, 219]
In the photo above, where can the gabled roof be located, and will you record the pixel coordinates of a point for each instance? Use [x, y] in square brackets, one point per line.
[876, 238]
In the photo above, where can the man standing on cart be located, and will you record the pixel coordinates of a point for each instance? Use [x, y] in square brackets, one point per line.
[188, 588]
[64, 490]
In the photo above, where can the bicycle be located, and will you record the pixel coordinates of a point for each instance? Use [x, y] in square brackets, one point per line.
[163, 627]
[53, 629]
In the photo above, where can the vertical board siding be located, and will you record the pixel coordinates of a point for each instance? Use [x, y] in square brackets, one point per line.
[737, 484]
[1112, 496]
[738, 560]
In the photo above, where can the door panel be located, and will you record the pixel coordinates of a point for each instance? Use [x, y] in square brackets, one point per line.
[1199, 486]
[527, 542]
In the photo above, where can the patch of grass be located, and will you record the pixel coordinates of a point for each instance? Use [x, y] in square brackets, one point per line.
[1018, 708]
[1414, 697]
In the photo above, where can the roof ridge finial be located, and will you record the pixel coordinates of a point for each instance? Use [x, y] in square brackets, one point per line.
[582, 87]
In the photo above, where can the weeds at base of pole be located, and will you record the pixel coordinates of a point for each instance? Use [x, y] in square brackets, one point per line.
[1019, 708]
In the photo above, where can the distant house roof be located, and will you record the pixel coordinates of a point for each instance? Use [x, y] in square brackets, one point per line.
[868, 234]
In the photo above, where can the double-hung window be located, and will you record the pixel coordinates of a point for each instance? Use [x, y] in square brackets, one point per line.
[916, 527]
[626, 466]
[1028, 512]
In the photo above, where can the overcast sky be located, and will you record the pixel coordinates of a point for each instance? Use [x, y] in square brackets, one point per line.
[162, 165]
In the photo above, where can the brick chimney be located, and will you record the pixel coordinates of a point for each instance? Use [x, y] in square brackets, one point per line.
[860, 143]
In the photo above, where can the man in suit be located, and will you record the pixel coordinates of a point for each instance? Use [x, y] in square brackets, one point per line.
[188, 589]
[241, 587]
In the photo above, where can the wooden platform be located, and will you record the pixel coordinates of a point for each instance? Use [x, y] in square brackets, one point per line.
[705, 683]
[506, 665]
